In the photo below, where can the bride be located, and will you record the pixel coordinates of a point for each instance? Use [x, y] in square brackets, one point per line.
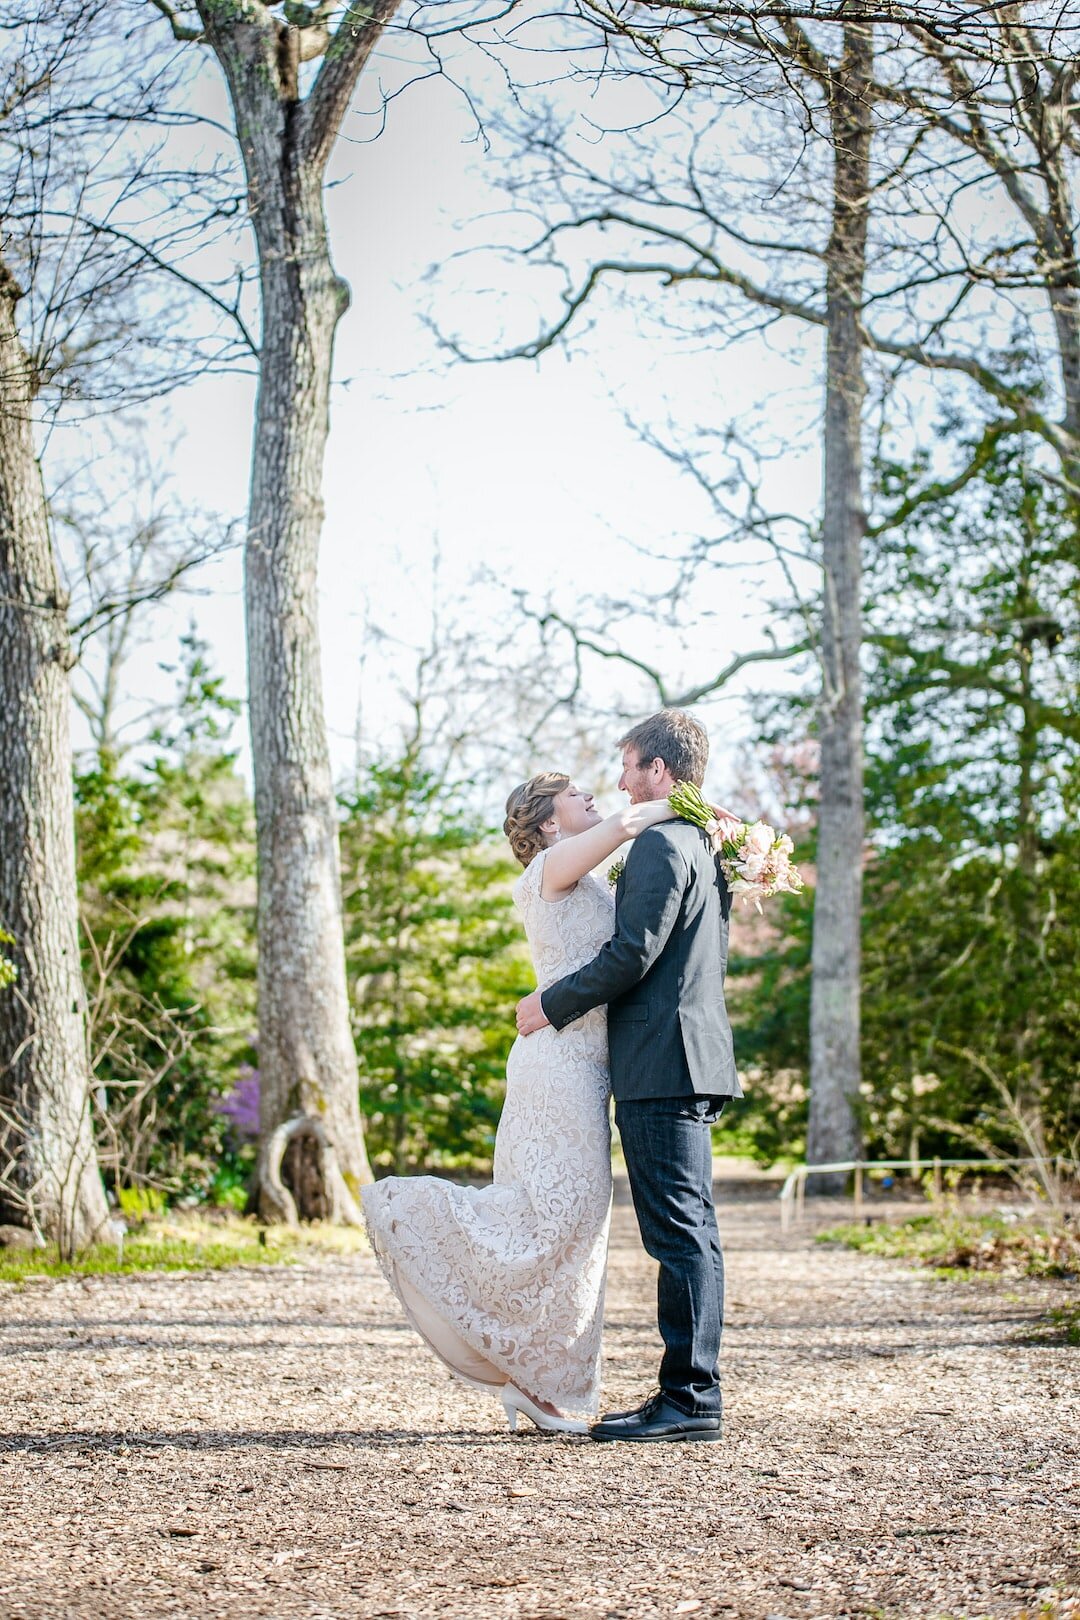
[506, 1283]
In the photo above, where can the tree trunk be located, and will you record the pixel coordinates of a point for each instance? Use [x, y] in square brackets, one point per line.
[47, 1155]
[1065, 305]
[834, 1008]
[307, 1060]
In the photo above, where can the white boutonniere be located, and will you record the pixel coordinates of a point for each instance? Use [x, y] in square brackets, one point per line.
[615, 871]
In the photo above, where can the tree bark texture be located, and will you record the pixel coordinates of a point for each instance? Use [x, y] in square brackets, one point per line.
[307, 1060]
[834, 1006]
[47, 1155]
[1063, 286]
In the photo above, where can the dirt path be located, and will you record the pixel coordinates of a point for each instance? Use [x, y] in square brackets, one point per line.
[276, 1443]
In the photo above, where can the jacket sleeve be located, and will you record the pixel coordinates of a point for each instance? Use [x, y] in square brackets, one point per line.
[654, 883]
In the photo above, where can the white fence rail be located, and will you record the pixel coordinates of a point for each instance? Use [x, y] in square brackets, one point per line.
[793, 1192]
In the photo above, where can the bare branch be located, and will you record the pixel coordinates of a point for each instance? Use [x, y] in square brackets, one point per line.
[181, 31]
[347, 53]
[669, 698]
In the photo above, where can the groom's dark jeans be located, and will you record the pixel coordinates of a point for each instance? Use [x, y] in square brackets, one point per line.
[667, 1145]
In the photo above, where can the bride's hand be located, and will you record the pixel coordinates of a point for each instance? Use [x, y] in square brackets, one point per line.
[729, 821]
[729, 826]
[638, 817]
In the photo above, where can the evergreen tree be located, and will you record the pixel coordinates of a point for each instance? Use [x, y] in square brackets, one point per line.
[972, 922]
[436, 963]
[166, 868]
[971, 918]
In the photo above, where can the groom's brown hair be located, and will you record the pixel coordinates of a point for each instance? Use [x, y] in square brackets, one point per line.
[675, 737]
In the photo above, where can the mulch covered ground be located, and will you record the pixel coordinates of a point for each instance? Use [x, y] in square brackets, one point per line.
[277, 1443]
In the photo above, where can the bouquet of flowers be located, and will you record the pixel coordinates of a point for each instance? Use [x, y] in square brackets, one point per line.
[755, 861]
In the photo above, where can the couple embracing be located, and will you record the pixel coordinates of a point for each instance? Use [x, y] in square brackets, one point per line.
[506, 1282]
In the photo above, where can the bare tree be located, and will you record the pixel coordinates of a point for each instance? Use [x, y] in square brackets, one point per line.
[78, 118]
[999, 117]
[121, 552]
[44, 1073]
[835, 1070]
[287, 115]
[956, 97]
[833, 90]
[50, 1173]
[969, 102]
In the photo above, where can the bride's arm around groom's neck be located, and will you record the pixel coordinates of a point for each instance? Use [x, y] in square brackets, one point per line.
[568, 860]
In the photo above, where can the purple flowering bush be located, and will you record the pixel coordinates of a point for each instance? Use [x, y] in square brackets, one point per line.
[240, 1106]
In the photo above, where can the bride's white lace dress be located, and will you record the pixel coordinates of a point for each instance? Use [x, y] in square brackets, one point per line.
[506, 1282]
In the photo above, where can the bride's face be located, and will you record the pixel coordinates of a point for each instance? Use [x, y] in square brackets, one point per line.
[574, 811]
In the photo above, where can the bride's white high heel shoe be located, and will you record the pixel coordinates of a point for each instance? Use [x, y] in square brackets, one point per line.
[514, 1401]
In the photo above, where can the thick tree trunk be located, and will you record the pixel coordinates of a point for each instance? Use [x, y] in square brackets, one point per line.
[47, 1154]
[1054, 229]
[834, 1008]
[307, 1060]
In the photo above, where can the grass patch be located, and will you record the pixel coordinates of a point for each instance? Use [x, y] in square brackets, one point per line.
[965, 1245]
[1057, 1327]
[182, 1243]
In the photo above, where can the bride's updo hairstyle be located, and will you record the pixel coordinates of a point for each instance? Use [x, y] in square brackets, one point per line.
[527, 808]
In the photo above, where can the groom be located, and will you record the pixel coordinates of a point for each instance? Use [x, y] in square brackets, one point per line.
[672, 1069]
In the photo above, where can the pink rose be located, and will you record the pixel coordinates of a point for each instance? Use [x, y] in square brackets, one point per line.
[760, 838]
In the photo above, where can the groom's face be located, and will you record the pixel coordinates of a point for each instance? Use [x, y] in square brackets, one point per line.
[643, 782]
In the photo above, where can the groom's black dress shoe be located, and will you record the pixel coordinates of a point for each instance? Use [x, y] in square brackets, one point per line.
[658, 1419]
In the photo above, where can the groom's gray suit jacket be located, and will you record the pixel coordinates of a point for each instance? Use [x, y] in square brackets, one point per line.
[662, 972]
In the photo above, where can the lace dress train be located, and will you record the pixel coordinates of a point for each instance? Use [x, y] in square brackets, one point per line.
[505, 1282]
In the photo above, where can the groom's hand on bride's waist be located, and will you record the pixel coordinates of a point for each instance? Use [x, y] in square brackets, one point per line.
[531, 1015]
